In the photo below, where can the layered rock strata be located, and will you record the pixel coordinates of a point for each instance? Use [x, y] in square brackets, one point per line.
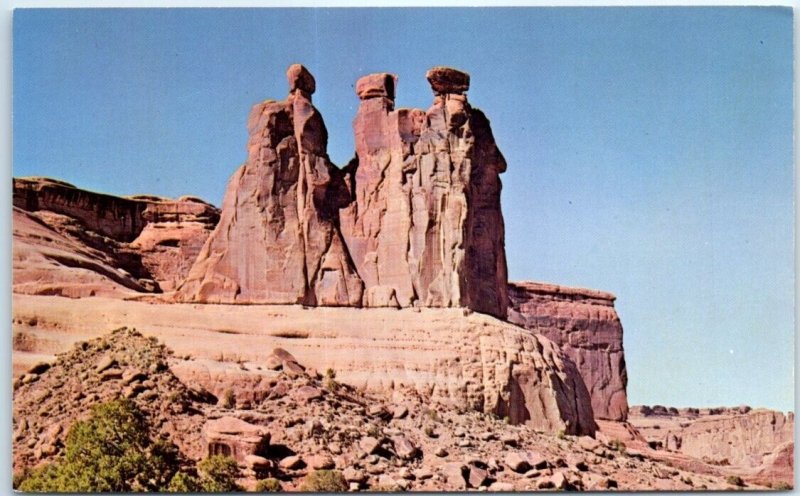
[757, 444]
[278, 239]
[425, 226]
[74, 242]
[473, 362]
[585, 325]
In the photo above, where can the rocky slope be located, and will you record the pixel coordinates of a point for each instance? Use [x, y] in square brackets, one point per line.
[472, 362]
[307, 422]
[51, 396]
[76, 243]
[585, 325]
[757, 444]
[425, 226]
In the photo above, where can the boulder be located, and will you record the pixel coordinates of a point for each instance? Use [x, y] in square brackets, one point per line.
[369, 444]
[379, 85]
[517, 462]
[300, 79]
[404, 448]
[320, 462]
[292, 462]
[446, 80]
[477, 477]
[233, 437]
[455, 473]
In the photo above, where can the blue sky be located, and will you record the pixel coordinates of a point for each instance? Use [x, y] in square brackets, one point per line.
[649, 149]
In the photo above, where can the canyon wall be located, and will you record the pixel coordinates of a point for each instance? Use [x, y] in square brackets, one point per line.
[585, 325]
[757, 442]
[74, 242]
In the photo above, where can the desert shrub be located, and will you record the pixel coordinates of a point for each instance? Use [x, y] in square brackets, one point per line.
[433, 415]
[330, 380]
[218, 474]
[617, 445]
[782, 486]
[229, 399]
[109, 452]
[270, 485]
[328, 481]
[183, 483]
[561, 434]
[735, 480]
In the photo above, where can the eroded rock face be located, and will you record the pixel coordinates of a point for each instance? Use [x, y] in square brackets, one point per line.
[230, 436]
[425, 227]
[756, 443]
[473, 362]
[118, 218]
[585, 325]
[278, 239]
[74, 242]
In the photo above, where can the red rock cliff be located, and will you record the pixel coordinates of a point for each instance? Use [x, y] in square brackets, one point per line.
[75, 242]
[585, 325]
[425, 227]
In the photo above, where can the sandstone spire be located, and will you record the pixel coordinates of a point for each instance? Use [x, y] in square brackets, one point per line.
[278, 239]
[425, 227]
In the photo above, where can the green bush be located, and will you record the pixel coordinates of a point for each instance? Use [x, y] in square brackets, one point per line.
[183, 483]
[218, 474]
[328, 481]
[270, 485]
[782, 486]
[109, 452]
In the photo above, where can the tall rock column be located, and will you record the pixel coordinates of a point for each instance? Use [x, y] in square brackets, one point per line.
[425, 228]
[278, 239]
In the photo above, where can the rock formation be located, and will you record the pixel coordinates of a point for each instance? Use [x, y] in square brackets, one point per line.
[756, 444]
[472, 362]
[52, 395]
[305, 423]
[585, 325]
[278, 239]
[230, 436]
[425, 226]
[74, 242]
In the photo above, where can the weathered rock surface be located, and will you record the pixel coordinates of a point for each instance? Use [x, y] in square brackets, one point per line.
[753, 441]
[76, 243]
[278, 239]
[230, 436]
[425, 227]
[585, 325]
[473, 362]
[44, 409]
[324, 434]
